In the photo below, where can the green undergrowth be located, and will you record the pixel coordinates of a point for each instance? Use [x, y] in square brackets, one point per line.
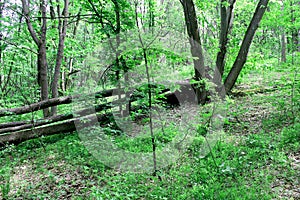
[256, 158]
[59, 166]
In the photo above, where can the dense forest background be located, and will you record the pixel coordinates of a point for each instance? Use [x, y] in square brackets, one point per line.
[73, 68]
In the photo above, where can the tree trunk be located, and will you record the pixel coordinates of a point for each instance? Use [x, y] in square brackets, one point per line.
[294, 40]
[36, 106]
[52, 102]
[244, 49]
[8, 127]
[41, 43]
[62, 30]
[196, 47]
[226, 25]
[283, 47]
[66, 75]
[42, 60]
[102, 94]
[283, 40]
[12, 124]
[18, 137]
[298, 40]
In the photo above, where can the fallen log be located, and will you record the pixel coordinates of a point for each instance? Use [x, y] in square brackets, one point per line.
[46, 127]
[49, 103]
[54, 119]
[246, 92]
[12, 124]
[63, 127]
[37, 123]
[68, 99]
[36, 106]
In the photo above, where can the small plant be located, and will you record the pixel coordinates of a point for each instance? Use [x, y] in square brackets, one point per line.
[5, 178]
[290, 136]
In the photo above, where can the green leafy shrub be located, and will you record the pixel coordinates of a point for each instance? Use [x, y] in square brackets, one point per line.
[290, 136]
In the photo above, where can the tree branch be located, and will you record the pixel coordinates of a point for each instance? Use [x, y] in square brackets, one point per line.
[28, 22]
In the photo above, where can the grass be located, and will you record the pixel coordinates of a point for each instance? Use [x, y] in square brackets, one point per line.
[257, 158]
[62, 168]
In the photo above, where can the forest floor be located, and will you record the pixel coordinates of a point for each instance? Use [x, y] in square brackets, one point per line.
[259, 157]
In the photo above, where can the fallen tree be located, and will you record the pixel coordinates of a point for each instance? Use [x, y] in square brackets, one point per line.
[16, 132]
[12, 124]
[68, 99]
[49, 103]
[36, 106]
[58, 118]
[63, 127]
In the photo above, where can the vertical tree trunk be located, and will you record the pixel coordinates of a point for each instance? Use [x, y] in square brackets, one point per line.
[294, 31]
[42, 64]
[297, 31]
[226, 25]
[244, 49]
[283, 40]
[117, 51]
[66, 74]
[1, 47]
[283, 47]
[151, 14]
[196, 47]
[42, 56]
[62, 30]
[298, 40]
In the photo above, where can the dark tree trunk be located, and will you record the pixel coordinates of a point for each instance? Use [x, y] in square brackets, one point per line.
[295, 41]
[283, 41]
[42, 58]
[244, 49]
[36, 106]
[283, 47]
[226, 25]
[196, 47]
[1, 47]
[63, 127]
[13, 127]
[41, 43]
[66, 75]
[62, 30]
[20, 136]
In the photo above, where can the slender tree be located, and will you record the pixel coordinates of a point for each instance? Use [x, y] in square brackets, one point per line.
[244, 49]
[196, 47]
[40, 41]
[226, 25]
[283, 40]
[62, 31]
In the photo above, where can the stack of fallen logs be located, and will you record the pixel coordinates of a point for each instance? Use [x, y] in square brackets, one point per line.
[16, 132]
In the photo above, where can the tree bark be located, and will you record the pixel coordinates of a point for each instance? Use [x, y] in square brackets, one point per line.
[243, 52]
[196, 47]
[283, 40]
[42, 64]
[12, 124]
[58, 118]
[51, 102]
[62, 30]
[295, 41]
[36, 106]
[18, 137]
[283, 47]
[226, 25]
[18, 132]
[68, 99]
[66, 75]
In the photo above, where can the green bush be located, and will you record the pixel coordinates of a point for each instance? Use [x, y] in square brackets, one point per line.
[290, 136]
